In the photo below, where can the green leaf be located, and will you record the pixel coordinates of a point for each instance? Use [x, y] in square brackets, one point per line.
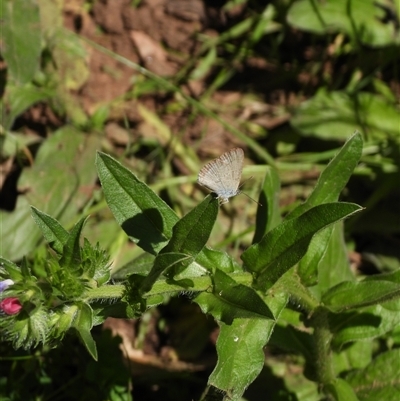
[240, 350]
[309, 266]
[163, 262]
[287, 243]
[268, 215]
[207, 260]
[191, 233]
[204, 64]
[83, 323]
[211, 259]
[335, 176]
[294, 340]
[12, 143]
[95, 264]
[145, 218]
[357, 355]
[265, 24]
[365, 112]
[10, 270]
[326, 261]
[362, 20]
[31, 330]
[138, 265]
[19, 98]
[72, 257]
[341, 390]
[53, 232]
[59, 183]
[379, 380]
[393, 277]
[230, 300]
[367, 324]
[66, 316]
[240, 354]
[25, 269]
[70, 55]
[21, 38]
[354, 295]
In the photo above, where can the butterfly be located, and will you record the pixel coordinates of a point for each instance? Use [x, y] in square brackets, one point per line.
[223, 175]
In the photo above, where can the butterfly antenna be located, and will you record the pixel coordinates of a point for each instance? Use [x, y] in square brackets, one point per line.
[258, 203]
[244, 182]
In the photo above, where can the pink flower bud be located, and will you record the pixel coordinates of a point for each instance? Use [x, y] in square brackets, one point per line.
[10, 306]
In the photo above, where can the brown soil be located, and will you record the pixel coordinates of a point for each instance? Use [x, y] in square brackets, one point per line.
[163, 36]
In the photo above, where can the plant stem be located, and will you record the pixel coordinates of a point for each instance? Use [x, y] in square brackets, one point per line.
[322, 347]
[106, 292]
[160, 287]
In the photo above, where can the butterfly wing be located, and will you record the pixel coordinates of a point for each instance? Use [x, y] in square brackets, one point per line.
[223, 175]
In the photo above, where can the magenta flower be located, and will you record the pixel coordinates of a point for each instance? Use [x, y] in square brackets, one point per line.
[10, 306]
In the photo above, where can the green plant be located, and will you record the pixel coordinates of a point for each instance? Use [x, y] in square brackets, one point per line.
[324, 327]
[296, 270]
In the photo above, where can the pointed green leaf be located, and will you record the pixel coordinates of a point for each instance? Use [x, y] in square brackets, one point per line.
[83, 323]
[354, 295]
[212, 259]
[53, 232]
[191, 233]
[393, 277]
[25, 270]
[329, 186]
[326, 261]
[189, 236]
[287, 243]
[71, 257]
[230, 300]
[240, 350]
[240, 355]
[308, 267]
[163, 262]
[363, 325]
[66, 316]
[379, 380]
[268, 215]
[335, 176]
[341, 390]
[142, 214]
[10, 270]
